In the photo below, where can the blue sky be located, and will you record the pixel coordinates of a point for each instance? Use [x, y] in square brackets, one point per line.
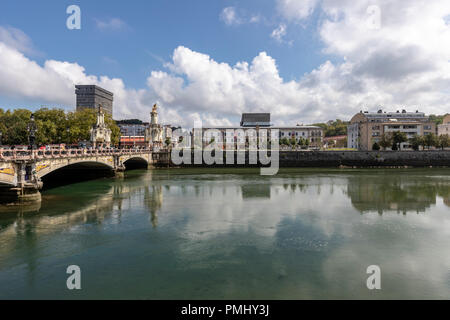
[320, 60]
[152, 30]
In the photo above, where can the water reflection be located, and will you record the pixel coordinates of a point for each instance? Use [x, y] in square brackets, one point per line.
[296, 235]
[398, 193]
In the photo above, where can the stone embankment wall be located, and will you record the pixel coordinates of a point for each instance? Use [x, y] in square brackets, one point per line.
[346, 158]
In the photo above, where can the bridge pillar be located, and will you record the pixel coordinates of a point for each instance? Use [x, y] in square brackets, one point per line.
[27, 188]
[119, 168]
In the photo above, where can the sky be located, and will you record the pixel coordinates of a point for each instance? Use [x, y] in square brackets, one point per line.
[304, 61]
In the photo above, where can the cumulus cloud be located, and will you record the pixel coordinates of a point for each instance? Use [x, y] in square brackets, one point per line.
[403, 63]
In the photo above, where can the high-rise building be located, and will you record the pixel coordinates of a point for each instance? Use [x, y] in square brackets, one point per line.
[91, 96]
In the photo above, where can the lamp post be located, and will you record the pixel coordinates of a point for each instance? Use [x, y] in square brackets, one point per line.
[32, 129]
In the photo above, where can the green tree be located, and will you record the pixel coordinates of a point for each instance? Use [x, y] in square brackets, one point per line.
[293, 141]
[376, 147]
[443, 141]
[416, 142]
[386, 140]
[53, 126]
[284, 141]
[430, 140]
[398, 138]
[14, 126]
[334, 128]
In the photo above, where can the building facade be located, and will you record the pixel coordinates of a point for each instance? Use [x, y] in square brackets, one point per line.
[366, 128]
[249, 130]
[91, 96]
[444, 128]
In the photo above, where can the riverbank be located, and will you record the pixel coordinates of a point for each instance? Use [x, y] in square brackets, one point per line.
[358, 159]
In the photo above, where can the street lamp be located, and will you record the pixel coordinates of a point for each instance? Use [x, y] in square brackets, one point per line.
[32, 129]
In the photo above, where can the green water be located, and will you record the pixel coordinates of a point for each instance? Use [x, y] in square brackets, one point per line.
[233, 234]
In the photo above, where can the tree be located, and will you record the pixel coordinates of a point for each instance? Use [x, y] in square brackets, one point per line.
[416, 141]
[284, 141]
[293, 141]
[443, 141]
[398, 138]
[53, 126]
[168, 141]
[376, 147]
[13, 125]
[386, 140]
[334, 128]
[394, 146]
[430, 140]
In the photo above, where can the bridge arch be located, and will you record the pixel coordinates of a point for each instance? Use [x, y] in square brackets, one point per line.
[75, 172]
[135, 162]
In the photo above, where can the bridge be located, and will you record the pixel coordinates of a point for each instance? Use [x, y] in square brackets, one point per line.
[22, 172]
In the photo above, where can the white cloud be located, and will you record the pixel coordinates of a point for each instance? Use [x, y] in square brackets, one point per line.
[229, 16]
[279, 32]
[296, 9]
[113, 24]
[16, 38]
[255, 18]
[403, 63]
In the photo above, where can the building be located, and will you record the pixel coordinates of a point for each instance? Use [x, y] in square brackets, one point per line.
[251, 123]
[132, 142]
[91, 96]
[255, 120]
[444, 128]
[366, 128]
[137, 130]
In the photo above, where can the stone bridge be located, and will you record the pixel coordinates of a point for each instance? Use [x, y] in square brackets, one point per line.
[22, 172]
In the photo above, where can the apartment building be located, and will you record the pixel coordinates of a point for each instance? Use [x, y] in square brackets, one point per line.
[444, 128]
[366, 128]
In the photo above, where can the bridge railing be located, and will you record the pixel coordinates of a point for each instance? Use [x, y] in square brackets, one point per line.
[11, 154]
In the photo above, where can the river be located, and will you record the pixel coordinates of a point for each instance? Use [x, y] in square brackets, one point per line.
[233, 234]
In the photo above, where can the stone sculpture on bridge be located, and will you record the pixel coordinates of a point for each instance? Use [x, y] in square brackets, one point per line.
[154, 132]
[100, 133]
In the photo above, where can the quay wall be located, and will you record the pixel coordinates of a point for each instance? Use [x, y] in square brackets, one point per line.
[343, 158]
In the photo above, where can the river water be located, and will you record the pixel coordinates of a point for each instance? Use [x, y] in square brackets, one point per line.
[233, 234]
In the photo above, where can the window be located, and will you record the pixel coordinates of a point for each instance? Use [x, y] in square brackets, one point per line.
[427, 127]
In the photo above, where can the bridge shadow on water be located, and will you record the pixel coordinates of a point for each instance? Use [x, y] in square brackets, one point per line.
[86, 171]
